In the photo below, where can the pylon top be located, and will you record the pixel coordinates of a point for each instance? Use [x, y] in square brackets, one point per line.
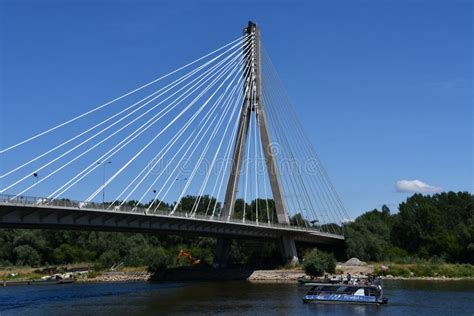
[251, 27]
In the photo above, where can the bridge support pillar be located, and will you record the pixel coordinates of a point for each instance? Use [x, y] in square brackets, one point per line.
[221, 253]
[288, 249]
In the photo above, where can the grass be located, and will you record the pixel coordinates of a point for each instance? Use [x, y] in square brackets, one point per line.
[290, 266]
[427, 269]
[133, 269]
[29, 273]
[20, 273]
[93, 274]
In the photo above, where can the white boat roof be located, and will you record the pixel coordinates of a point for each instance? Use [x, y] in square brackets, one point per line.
[340, 284]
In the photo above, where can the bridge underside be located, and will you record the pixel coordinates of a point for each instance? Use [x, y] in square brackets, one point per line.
[50, 217]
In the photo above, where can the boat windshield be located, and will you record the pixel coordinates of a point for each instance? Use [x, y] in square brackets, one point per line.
[342, 289]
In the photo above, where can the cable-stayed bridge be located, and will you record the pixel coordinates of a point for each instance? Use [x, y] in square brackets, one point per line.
[211, 148]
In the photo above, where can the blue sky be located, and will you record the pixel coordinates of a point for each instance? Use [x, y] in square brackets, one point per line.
[383, 88]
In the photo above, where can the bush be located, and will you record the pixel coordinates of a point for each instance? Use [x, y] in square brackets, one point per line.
[157, 260]
[398, 270]
[109, 258]
[317, 262]
[26, 255]
[395, 254]
[93, 274]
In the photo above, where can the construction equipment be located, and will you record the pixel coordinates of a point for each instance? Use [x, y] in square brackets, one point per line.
[192, 261]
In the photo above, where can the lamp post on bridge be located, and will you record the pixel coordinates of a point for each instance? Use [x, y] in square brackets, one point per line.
[36, 176]
[180, 180]
[314, 222]
[104, 163]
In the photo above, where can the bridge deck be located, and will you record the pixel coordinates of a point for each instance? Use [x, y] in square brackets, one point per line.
[28, 212]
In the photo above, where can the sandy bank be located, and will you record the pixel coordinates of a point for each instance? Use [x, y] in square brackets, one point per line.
[118, 277]
[276, 275]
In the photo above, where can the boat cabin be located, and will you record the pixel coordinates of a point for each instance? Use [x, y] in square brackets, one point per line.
[344, 293]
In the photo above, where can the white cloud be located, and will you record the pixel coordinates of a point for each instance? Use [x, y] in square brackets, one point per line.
[416, 186]
[347, 221]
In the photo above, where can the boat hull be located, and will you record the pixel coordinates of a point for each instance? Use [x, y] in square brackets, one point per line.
[341, 298]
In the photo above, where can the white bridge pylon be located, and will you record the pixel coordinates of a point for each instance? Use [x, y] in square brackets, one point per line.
[215, 138]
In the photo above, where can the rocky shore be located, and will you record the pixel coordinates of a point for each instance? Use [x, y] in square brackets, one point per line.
[355, 267]
[186, 274]
[276, 275]
[119, 277]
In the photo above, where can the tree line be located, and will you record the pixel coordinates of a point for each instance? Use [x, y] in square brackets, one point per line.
[427, 227]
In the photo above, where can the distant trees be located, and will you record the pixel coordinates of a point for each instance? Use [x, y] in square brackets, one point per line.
[26, 255]
[439, 226]
[157, 260]
[368, 237]
[201, 205]
[49, 247]
[105, 249]
[265, 207]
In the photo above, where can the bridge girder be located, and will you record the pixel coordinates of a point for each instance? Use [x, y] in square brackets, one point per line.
[52, 217]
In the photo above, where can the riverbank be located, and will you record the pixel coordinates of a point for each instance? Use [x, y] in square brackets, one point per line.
[391, 271]
[425, 270]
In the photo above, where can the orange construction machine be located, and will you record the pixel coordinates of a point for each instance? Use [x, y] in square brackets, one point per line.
[187, 254]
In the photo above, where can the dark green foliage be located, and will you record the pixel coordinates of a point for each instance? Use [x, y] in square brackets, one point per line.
[317, 262]
[157, 260]
[254, 253]
[331, 228]
[266, 210]
[109, 258]
[426, 226]
[440, 225]
[201, 205]
[49, 247]
[26, 255]
[45, 247]
[299, 220]
[369, 235]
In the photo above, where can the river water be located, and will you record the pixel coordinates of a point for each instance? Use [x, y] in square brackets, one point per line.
[227, 298]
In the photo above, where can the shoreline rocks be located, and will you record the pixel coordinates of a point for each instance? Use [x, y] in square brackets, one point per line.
[119, 277]
[276, 275]
[255, 276]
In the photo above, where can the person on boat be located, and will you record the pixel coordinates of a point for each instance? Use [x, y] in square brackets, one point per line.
[348, 278]
[370, 278]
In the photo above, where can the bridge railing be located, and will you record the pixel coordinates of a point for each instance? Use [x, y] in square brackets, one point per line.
[66, 203]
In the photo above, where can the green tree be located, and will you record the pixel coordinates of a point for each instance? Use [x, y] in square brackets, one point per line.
[109, 258]
[201, 205]
[26, 255]
[298, 220]
[317, 262]
[440, 225]
[157, 260]
[368, 237]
